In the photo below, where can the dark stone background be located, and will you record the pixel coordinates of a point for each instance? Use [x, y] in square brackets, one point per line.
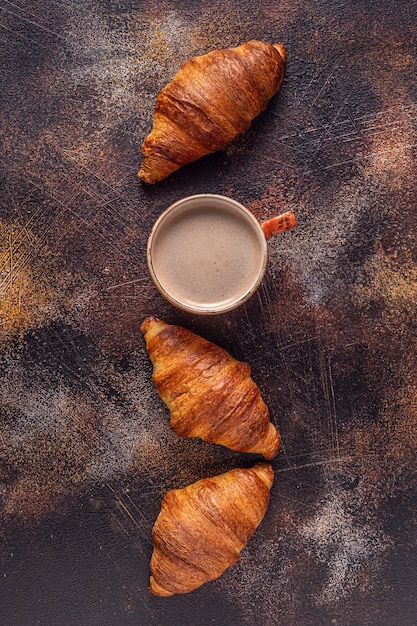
[86, 448]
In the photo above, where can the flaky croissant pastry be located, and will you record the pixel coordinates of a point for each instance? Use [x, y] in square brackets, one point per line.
[202, 528]
[210, 100]
[209, 394]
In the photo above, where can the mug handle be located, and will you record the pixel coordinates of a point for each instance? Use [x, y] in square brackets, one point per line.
[279, 224]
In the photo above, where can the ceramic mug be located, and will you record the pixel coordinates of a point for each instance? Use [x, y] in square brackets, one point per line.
[207, 253]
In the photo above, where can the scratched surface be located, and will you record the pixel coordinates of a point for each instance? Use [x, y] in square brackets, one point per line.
[86, 452]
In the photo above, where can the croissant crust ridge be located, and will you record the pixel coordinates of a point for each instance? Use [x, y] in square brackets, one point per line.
[211, 99]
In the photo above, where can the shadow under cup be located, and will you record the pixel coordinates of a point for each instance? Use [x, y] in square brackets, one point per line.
[207, 254]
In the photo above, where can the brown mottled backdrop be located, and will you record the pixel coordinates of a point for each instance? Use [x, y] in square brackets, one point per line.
[86, 451]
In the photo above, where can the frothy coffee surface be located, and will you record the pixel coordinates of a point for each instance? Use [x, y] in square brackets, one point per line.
[207, 257]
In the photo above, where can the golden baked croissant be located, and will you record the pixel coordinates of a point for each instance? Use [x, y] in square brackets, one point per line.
[210, 394]
[202, 528]
[210, 100]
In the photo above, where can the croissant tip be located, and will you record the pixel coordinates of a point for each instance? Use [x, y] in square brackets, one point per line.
[270, 444]
[148, 322]
[145, 178]
[157, 590]
[265, 471]
[282, 50]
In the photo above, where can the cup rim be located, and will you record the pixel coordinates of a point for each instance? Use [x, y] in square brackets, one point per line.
[194, 309]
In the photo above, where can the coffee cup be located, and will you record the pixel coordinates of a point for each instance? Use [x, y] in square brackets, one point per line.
[207, 253]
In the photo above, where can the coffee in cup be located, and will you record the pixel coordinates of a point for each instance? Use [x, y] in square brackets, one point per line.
[207, 253]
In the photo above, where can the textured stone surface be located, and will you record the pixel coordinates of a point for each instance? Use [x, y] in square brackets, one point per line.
[86, 452]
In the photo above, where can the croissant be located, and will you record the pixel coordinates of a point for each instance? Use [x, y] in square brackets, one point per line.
[202, 528]
[209, 394]
[210, 100]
